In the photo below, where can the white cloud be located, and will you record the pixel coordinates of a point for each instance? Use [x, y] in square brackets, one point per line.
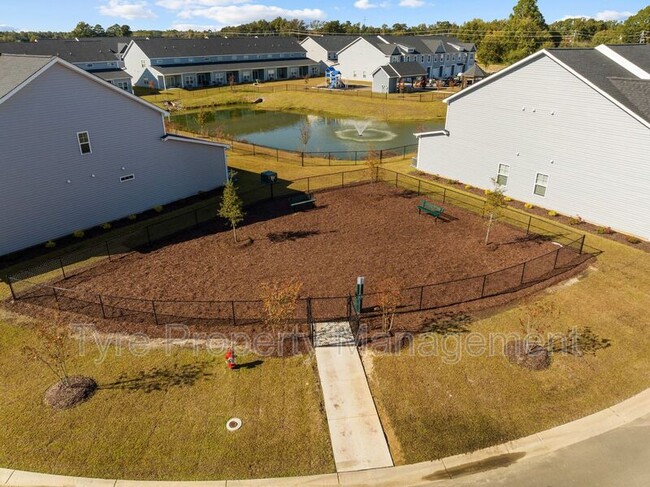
[604, 15]
[196, 27]
[127, 10]
[411, 3]
[193, 4]
[365, 4]
[7, 28]
[241, 14]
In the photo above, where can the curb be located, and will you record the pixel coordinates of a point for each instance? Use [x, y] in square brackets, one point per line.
[416, 474]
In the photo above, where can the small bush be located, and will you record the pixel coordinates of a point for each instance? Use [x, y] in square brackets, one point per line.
[576, 220]
[468, 186]
[604, 230]
[529, 206]
[132, 217]
[158, 208]
[632, 240]
[486, 192]
[106, 226]
[50, 244]
[507, 199]
[552, 213]
[452, 181]
[79, 233]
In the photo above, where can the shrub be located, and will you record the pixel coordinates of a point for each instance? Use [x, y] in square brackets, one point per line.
[604, 230]
[106, 226]
[632, 240]
[79, 233]
[158, 208]
[452, 181]
[50, 244]
[576, 220]
[132, 217]
[507, 199]
[552, 213]
[468, 186]
[529, 206]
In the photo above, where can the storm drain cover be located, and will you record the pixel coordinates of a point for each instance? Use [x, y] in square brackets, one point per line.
[233, 424]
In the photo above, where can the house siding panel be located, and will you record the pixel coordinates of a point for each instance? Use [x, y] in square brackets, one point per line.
[40, 153]
[358, 58]
[540, 118]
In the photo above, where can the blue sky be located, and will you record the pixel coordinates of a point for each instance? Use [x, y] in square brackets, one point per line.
[63, 15]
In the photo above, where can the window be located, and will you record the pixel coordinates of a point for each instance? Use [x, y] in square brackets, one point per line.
[84, 142]
[143, 63]
[541, 183]
[429, 58]
[502, 175]
[447, 57]
[128, 177]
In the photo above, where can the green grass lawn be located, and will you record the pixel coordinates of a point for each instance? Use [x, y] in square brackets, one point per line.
[312, 101]
[162, 416]
[434, 408]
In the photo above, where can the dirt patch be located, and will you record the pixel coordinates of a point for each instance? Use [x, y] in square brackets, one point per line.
[65, 396]
[526, 354]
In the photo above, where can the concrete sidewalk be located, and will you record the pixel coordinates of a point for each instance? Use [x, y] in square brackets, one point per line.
[356, 433]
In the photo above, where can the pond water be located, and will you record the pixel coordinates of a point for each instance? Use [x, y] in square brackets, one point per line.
[283, 130]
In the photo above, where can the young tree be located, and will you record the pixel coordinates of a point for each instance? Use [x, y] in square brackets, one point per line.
[305, 134]
[389, 299]
[372, 162]
[279, 300]
[232, 207]
[231, 81]
[495, 202]
[53, 350]
[202, 119]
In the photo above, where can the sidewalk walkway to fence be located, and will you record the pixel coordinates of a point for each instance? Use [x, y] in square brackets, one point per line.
[357, 437]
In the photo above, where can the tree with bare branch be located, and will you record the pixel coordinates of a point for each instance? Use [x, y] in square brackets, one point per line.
[495, 202]
[279, 301]
[389, 298]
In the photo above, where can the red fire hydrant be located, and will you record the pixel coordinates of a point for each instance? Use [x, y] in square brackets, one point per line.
[231, 359]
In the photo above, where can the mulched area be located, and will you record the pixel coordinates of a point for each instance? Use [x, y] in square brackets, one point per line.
[65, 396]
[370, 230]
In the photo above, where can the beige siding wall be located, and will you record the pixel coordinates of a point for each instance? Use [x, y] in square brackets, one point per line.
[542, 119]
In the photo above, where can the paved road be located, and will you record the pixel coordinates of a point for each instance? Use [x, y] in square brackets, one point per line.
[620, 457]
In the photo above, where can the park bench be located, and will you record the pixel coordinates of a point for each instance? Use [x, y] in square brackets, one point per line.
[428, 207]
[302, 200]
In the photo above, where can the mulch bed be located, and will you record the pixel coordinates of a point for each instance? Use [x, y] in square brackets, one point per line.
[370, 230]
[65, 396]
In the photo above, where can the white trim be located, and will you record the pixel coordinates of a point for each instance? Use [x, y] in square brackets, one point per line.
[623, 62]
[431, 134]
[507, 175]
[193, 140]
[545, 186]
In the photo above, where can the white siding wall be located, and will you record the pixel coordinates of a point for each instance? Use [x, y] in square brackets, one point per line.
[133, 65]
[40, 153]
[316, 52]
[358, 58]
[541, 118]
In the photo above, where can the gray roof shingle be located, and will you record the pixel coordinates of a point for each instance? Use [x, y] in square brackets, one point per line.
[404, 70]
[98, 49]
[165, 47]
[333, 42]
[639, 54]
[15, 69]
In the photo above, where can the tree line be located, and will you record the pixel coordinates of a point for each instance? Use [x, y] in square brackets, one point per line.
[499, 41]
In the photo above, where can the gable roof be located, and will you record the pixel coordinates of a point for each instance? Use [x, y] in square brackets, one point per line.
[166, 47]
[84, 50]
[17, 71]
[475, 72]
[600, 72]
[331, 42]
[402, 70]
[638, 54]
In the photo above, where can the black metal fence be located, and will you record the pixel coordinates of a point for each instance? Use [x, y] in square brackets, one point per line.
[41, 284]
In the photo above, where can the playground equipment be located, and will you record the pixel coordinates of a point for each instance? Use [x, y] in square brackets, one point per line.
[333, 78]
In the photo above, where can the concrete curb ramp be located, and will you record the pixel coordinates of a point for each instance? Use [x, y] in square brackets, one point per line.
[418, 474]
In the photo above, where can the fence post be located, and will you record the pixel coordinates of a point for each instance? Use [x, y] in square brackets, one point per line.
[108, 250]
[582, 244]
[11, 288]
[155, 314]
[404, 152]
[483, 286]
[101, 303]
[56, 298]
[444, 194]
[234, 316]
[62, 268]
[396, 176]
[530, 219]
[302, 159]
[329, 158]
[355, 158]
[277, 154]
[557, 254]
[419, 184]
[381, 155]
[421, 296]
[342, 181]
[148, 235]
[523, 271]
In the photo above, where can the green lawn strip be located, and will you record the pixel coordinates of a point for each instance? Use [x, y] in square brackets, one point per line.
[438, 409]
[169, 426]
[313, 101]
